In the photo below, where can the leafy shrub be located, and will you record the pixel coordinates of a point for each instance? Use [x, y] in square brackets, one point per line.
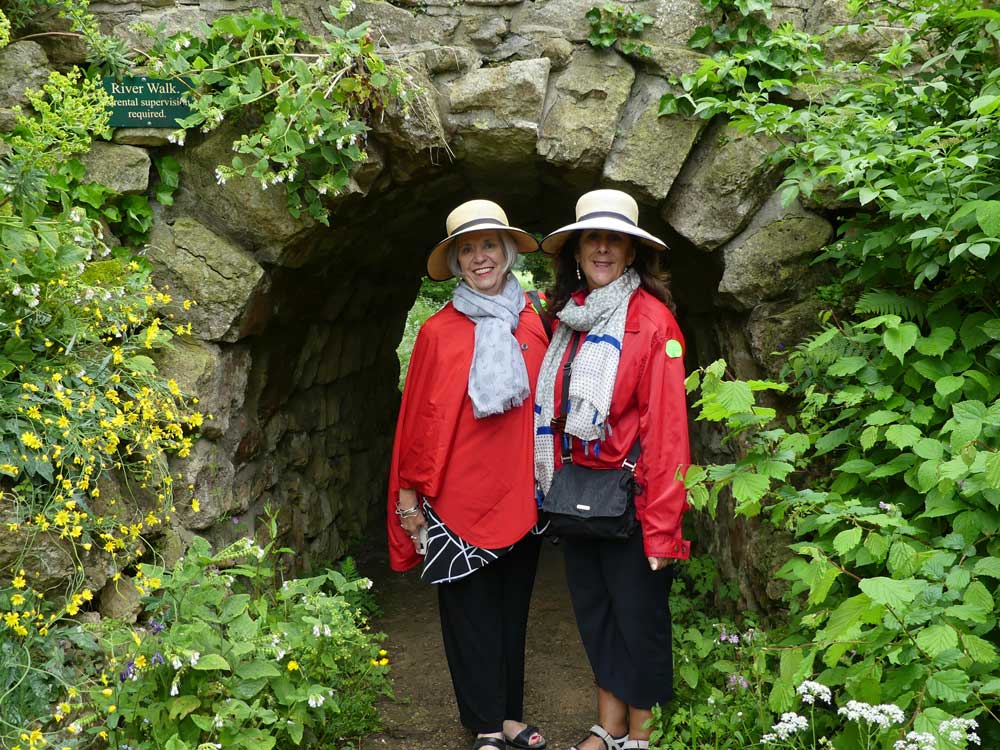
[229, 657]
[308, 97]
[880, 452]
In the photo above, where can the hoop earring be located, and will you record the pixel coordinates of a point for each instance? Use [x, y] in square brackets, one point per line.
[579, 276]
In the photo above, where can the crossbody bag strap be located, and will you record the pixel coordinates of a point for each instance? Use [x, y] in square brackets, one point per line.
[536, 302]
[558, 424]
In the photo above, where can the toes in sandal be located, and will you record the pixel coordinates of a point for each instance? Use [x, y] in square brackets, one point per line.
[610, 743]
[496, 742]
[522, 739]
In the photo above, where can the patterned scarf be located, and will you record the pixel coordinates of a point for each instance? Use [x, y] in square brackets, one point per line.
[592, 381]
[498, 379]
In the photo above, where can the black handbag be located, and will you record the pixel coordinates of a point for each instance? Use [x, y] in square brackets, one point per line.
[585, 503]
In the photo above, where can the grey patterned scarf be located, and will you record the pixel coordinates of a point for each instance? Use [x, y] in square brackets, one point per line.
[602, 317]
[498, 379]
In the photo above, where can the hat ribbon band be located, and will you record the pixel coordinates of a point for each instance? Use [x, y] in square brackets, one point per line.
[475, 222]
[606, 215]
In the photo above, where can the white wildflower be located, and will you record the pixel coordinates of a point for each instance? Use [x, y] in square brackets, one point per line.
[174, 688]
[959, 730]
[791, 723]
[315, 701]
[916, 741]
[810, 691]
[194, 658]
[883, 715]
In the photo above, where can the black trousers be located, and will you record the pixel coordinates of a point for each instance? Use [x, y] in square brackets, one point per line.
[484, 619]
[623, 615]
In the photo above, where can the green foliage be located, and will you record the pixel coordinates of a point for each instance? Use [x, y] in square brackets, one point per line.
[886, 473]
[307, 97]
[4, 30]
[107, 54]
[85, 420]
[227, 656]
[612, 24]
[423, 308]
[749, 56]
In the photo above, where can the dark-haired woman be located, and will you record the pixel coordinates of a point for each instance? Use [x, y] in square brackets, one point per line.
[626, 385]
[462, 471]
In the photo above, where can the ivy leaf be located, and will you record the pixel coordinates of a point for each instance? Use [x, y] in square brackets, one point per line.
[900, 340]
[701, 38]
[937, 638]
[890, 592]
[949, 685]
[902, 435]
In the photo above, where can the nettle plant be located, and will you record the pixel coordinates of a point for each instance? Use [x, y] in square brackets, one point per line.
[229, 656]
[308, 98]
[612, 24]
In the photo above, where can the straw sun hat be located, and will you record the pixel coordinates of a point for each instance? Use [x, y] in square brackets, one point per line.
[604, 209]
[474, 216]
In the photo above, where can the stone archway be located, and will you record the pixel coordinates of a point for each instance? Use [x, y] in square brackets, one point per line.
[296, 324]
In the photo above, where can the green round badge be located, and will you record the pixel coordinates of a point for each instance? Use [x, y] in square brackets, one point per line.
[674, 349]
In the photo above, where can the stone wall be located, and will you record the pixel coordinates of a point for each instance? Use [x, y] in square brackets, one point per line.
[296, 323]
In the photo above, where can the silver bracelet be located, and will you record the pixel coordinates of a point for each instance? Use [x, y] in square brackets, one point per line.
[407, 512]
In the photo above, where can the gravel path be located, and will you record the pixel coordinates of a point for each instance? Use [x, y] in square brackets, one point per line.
[559, 693]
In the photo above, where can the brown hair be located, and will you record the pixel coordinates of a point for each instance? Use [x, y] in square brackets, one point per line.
[646, 263]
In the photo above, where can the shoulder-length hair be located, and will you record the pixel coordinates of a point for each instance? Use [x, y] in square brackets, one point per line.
[646, 263]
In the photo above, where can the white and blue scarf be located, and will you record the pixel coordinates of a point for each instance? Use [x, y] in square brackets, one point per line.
[602, 317]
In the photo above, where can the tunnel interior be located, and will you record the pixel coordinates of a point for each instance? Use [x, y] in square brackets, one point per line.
[322, 391]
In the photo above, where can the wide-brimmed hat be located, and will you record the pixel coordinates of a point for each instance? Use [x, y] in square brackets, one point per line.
[604, 209]
[474, 216]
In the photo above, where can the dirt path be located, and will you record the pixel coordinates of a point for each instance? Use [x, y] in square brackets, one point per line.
[559, 694]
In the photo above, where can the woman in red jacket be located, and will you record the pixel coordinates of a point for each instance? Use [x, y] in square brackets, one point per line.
[461, 488]
[626, 385]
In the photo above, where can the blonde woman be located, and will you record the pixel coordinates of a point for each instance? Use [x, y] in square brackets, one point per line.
[462, 469]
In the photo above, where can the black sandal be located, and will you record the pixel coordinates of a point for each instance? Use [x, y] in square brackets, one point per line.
[520, 740]
[496, 742]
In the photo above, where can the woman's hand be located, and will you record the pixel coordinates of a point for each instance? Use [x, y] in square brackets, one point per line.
[411, 524]
[659, 563]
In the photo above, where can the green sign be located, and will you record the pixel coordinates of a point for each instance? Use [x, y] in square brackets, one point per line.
[143, 102]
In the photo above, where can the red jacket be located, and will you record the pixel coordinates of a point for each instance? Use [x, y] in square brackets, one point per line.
[477, 473]
[648, 401]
